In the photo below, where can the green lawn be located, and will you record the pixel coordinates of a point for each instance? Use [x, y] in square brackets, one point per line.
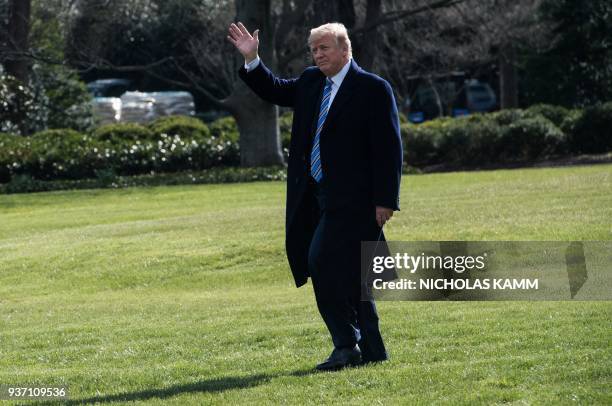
[183, 295]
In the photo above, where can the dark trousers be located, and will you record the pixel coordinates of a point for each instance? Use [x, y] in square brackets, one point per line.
[334, 265]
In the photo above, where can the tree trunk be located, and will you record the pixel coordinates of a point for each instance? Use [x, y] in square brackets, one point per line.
[508, 81]
[368, 43]
[18, 30]
[334, 11]
[346, 13]
[257, 120]
[259, 133]
[89, 37]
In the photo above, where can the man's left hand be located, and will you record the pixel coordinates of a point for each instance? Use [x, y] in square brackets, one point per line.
[383, 214]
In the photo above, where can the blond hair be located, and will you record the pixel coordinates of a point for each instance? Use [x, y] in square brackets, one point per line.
[338, 30]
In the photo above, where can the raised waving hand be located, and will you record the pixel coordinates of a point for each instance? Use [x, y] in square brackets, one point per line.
[242, 39]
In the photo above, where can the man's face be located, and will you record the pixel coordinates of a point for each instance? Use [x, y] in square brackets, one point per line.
[328, 56]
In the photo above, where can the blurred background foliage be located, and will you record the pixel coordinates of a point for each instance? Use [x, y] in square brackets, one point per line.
[554, 55]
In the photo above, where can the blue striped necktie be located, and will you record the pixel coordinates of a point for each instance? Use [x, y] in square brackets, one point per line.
[315, 155]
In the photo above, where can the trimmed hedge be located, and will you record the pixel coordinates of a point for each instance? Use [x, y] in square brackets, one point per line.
[62, 154]
[123, 132]
[569, 122]
[12, 155]
[185, 127]
[225, 128]
[591, 132]
[174, 144]
[556, 114]
[121, 149]
[508, 136]
[224, 132]
[51, 154]
[529, 139]
[26, 184]
[508, 116]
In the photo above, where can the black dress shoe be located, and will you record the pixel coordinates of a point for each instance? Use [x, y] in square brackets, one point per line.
[341, 358]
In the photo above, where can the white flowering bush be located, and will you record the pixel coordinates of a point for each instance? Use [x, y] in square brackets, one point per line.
[66, 99]
[21, 110]
[121, 149]
[54, 97]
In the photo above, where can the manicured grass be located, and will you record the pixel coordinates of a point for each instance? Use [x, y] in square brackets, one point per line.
[182, 295]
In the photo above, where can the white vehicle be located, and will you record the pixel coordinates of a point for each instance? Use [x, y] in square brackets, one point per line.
[142, 107]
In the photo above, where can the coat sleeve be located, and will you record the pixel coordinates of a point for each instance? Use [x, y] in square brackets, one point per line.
[269, 87]
[386, 146]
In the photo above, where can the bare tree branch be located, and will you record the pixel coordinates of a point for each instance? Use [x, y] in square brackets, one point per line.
[392, 16]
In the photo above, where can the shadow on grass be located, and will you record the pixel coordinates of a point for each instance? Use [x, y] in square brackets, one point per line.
[209, 385]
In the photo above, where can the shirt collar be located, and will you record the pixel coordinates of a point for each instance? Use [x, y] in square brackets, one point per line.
[339, 77]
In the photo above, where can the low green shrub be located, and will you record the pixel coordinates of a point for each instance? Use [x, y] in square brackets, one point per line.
[108, 179]
[22, 184]
[13, 153]
[508, 116]
[169, 154]
[66, 154]
[174, 144]
[478, 118]
[225, 128]
[556, 114]
[421, 144]
[484, 136]
[529, 139]
[591, 132]
[184, 126]
[224, 132]
[569, 122]
[122, 132]
[62, 154]
[469, 141]
[481, 140]
[455, 138]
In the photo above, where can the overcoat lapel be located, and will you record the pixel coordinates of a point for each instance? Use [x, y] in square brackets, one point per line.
[344, 94]
[311, 108]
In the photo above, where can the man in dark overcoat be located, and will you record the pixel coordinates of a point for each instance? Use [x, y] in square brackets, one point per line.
[343, 179]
